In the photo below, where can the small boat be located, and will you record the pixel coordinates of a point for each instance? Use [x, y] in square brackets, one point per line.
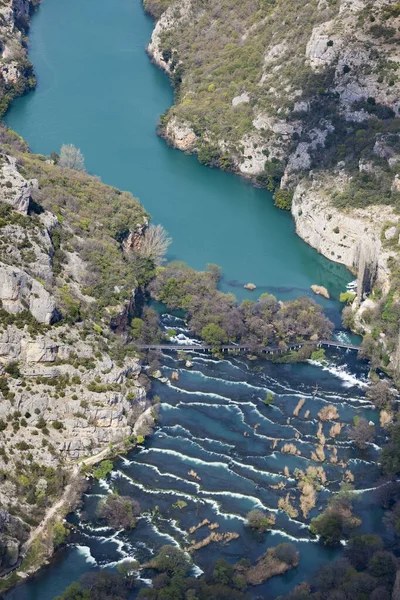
[352, 285]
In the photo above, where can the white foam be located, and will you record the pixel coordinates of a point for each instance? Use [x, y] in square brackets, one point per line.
[292, 537]
[162, 534]
[184, 340]
[256, 501]
[104, 484]
[197, 571]
[158, 492]
[349, 380]
[85, 552]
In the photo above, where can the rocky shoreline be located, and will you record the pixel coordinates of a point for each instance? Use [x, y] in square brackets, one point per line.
[312, 209]
[296, 134]
[66, 398]
[71, 396]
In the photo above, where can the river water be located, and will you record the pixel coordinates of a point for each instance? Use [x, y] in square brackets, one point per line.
[98, 90]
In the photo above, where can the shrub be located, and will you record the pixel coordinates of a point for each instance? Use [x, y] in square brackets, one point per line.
[319, 355]
[347, 297]
[104, 468]
[269, 398]
[12, 368]
[287, 553]
[283, 199]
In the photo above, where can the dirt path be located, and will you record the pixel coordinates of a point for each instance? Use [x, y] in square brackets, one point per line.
[52, 511]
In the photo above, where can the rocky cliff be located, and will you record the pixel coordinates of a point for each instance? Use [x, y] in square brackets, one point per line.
[71, 388]
[16, 72]
[302, 98]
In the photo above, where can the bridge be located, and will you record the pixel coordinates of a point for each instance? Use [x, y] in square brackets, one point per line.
[247, 348]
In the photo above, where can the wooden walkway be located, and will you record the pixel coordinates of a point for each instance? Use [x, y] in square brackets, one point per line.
[244, 348]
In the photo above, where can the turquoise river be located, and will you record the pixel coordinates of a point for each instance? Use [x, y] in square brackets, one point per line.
[98, 90]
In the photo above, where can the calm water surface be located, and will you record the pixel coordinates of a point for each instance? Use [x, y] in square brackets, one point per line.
[98, 90]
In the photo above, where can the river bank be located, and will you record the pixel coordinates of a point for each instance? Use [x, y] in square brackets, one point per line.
[214, 422]
[288, 120]
[212, 217]
[221, 227]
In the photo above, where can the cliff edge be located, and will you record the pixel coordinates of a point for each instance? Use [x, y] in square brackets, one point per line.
[302, 98]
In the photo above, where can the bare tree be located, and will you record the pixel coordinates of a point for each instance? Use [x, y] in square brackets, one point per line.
[381, 394]
[362, 433]
[119, 511]
[257, 519]
[155, 243]
[71, 157]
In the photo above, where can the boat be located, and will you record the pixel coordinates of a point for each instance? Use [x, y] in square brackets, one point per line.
[352, 285]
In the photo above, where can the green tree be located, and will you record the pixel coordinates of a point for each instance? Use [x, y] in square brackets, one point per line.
[60, 534]
[283, 199]
[214, 335]
[104, 468]
[171, 560]
[136, 328]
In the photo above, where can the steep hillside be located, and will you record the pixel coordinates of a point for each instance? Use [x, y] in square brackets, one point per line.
[16, 72]
[72, 274]
[70, 387]
[304, 99]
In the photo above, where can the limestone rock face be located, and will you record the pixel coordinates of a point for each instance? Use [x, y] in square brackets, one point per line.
[344, 237]
[41, 350]
[98, 402]
[14, 188]
[323, 48]
[242, 99]
[12, 532]
[19, 291]
[174, 15]
[181, 135]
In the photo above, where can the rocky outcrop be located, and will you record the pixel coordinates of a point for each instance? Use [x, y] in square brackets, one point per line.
[16, 73]
[180, 135]
[352, 238]
[132, 309]
[12, 533]
[14, 188]
[177, 14]
[19, 292]
[347, 47]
